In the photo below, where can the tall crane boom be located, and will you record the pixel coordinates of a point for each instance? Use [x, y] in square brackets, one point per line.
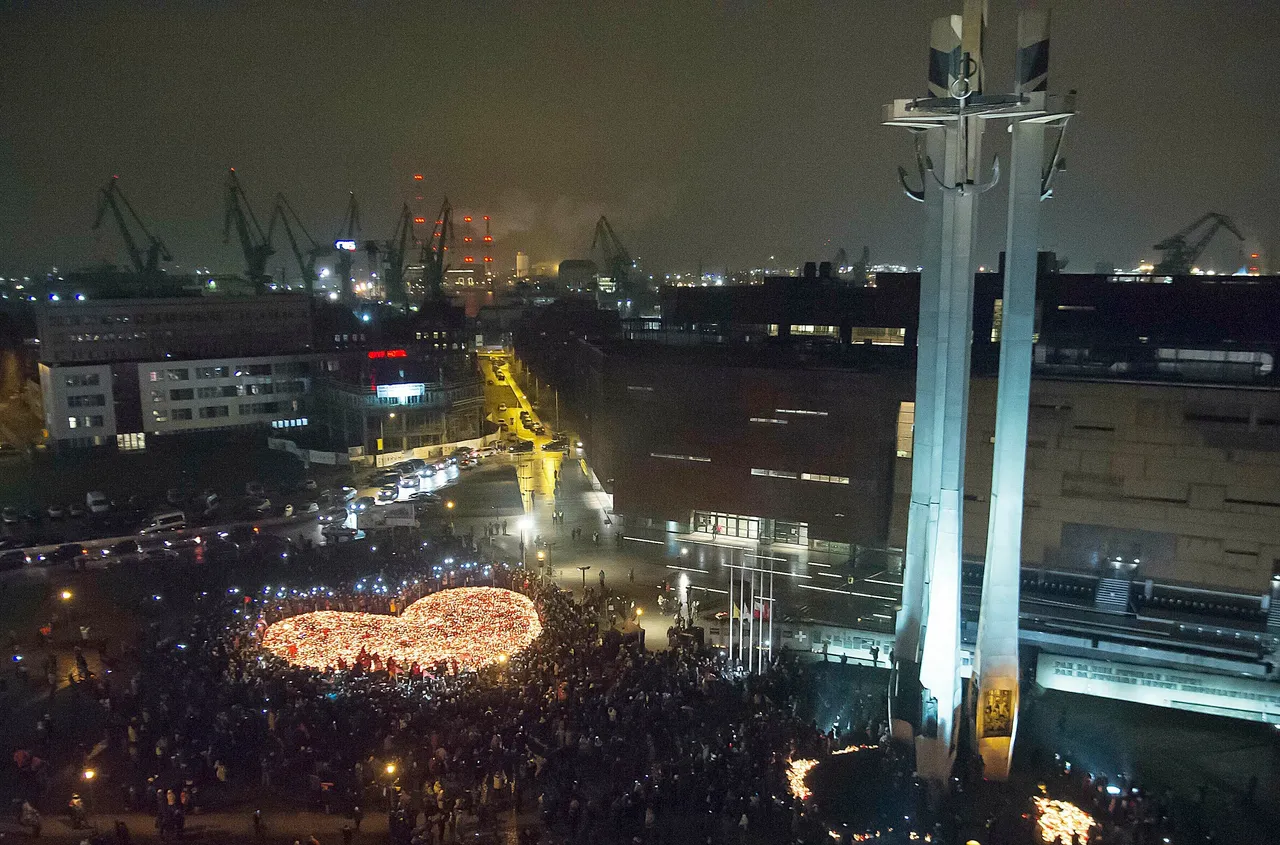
[254, 243]
[615, 257]
[433, 253]
[1180, 254]
[347, 239]
[111, 198]
[394, 252]
[283, 213]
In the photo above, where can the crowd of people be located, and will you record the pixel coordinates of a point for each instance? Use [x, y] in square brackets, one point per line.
[584, 736]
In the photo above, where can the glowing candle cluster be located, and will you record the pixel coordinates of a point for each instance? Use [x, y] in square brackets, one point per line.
[1060, 820]
[470, 626]
[796, 773]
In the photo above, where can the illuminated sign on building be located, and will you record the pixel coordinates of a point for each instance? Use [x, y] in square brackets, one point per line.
[347, 246]
[401, 392]
[387, 353]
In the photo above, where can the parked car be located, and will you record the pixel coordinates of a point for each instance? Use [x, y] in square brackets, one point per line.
[424, 496]
[362, 504]
[502, 408]
[56, 511]
[75, 510]
[310, 507]
[10, 516]
[556, 446]
[387, 495]
[260, 505]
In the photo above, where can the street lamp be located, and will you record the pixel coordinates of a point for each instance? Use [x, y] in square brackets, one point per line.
[584, 581]
[89, 775]
[65, 595]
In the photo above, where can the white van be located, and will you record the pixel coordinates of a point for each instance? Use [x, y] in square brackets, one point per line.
[168, 521]
[97, 502]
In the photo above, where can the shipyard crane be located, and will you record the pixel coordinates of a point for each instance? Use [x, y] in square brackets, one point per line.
[615, 258]
[394, 252]
[254, 243]
[346, 242]
[433, 253]
[306, 253]
[1181, 254]
[146, 262]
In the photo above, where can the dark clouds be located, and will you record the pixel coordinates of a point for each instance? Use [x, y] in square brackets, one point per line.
[721, 132]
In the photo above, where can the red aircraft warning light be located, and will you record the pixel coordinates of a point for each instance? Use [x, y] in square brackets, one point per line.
[488, 239]
[468, 260]
[486, 218]
[467, 219]
[419, 220]
[417, 177]
[488, 258]
[467, 239]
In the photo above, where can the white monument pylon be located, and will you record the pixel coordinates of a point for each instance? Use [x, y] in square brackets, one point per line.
[925, 693]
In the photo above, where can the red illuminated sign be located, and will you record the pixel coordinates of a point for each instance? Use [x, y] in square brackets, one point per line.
[388, 353]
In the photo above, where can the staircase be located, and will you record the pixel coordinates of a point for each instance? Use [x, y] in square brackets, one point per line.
[1273, 615]
[1112, 595]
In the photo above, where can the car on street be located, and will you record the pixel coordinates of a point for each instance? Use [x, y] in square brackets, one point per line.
[362, 504]
[260, 505]
[65, 553]
[340, 534]
[382, 479]
[14, 559]
[349, 493]
[387, 495]
[556, 446]
[424, 496]
[123, 551]
[502, 408]
[410, 482]
[56, 511]
[310, 507]
[10, 516]
[522, 445]
[75, 510]
[332, 515]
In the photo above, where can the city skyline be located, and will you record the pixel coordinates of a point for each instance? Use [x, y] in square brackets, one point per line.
[696, 148]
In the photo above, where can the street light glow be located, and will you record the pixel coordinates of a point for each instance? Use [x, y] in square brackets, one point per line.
[90, 774]
[391, 768]
[66, 595]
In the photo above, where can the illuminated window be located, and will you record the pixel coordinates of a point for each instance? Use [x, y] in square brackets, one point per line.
[878, 336]
[800, 412]
[828, 479]
[131, 442]
[997, 320]
[667, 457]
[906, 428]
[774, 473]
[767, 420]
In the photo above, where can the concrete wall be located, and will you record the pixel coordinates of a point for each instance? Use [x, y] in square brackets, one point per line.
[1184, 479]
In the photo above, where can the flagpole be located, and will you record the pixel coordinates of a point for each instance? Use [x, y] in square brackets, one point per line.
[729, 650]
[742, 617]
[771, 611]
[750, 624]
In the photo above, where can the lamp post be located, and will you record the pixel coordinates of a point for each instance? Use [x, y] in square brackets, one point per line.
[583, 570]
[89, 776]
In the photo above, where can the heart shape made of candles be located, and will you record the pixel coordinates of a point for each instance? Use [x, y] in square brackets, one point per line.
[472, 626]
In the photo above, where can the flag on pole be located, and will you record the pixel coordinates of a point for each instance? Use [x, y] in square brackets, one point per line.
[761, 610]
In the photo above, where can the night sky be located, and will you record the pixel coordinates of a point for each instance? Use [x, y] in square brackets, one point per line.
[713, 132]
